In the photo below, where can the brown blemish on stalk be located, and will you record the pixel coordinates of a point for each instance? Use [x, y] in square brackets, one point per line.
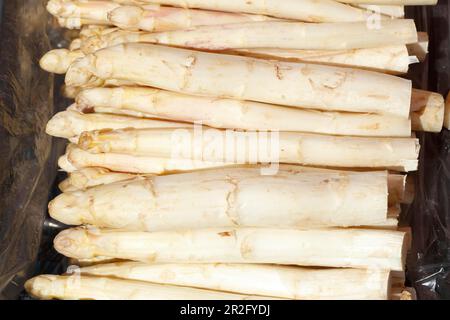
[231, 211]
[337, 82]
[225, 234]
[278, 72]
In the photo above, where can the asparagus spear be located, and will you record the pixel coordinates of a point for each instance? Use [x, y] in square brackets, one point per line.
[247, 148]
[70, 124]
[157, 18]
[392, 59]
[393, 11]
[101, 288]
[266, 34]
[89, 10]
[290, 84]
[59, 60]
[420, 48]
[279, 281]
[355, 248]
[428, 110]
[305, 10]
[234, 114]
[225, 199]
[91, 177]
[75, 158]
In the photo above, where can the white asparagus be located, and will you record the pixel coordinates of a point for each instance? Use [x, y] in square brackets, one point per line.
[89, 10]
[227, 76]
[420, 48]
[87, 176]
[157, 18]
[70, 124]
[428, 111]
[59, 60]
[305, 10]
[241, 197]
[91, 177]
[207, 144]
[341, 248]
[75, 158]
[391, 59]
[297, 35]
[278, 281]
[77, 23]
[393, 11]
[77, 287]
[234, 114]
[447, 112]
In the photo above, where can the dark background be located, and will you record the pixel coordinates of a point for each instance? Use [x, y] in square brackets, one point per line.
[28, 168]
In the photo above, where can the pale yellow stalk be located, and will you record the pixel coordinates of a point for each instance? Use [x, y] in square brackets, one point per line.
[90, 177]
[391, 59]
[427, 111]
[393, 11]
[321, 36]
[305, 10]
[355, 248]
[200, 73]
[70, 124]
[157, 18]
[279, 281]
[234, 114]
[83, 287]
[240, 197]
[75, 158]
[248, 148]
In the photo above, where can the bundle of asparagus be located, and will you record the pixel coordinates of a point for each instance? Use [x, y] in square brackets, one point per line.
[220, 211]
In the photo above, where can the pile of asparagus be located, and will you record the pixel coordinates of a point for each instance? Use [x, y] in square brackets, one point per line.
[307, 210]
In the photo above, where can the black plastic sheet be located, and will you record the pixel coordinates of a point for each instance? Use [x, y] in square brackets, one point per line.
[28, 168]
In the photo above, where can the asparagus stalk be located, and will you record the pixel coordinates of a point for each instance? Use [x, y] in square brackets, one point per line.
[75, 158]
[393, 11]
[305, 10]
[225, 199]
[91, 177]
[355, 248]
[266, 34]
[245, 148]
[199, 73]
[158, 18]
[87, 176]
[70, 124]
[89, 10]
[447, 112]
[234, 114]
[296, 35]
[83, 287]
[279, 281]
[59, 60]
[428, 111]
[420, 48]
[390, 59]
